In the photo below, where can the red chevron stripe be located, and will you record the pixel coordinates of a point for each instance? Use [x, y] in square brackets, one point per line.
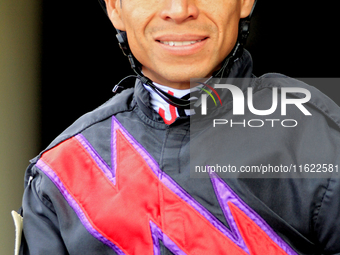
[121, 213]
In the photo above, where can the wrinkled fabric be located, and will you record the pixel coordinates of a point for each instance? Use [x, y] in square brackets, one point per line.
[302, 214]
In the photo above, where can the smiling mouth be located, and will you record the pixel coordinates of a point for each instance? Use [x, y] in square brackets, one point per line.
[180, 43]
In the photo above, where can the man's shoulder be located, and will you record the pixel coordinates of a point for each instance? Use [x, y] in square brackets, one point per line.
[322, 105]
[119, 103]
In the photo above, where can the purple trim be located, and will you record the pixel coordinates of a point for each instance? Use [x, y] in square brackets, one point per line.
[157, 235]
[113, 148]
[156, 232]
[99, 161]
[225, 194]
[223, 199]
[74, 205]
[179, 191]
[145, 155]
[199, 208]
[174, 187]
[222, 190]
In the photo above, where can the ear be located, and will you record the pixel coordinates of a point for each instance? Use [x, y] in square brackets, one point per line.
[246, 7]
[114, 11]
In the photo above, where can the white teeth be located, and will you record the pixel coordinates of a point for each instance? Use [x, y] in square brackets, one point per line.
[173, 43]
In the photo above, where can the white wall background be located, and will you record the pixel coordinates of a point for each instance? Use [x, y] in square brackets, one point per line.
[19, 81]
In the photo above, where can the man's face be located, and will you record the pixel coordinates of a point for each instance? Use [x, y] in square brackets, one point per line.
[176, 40]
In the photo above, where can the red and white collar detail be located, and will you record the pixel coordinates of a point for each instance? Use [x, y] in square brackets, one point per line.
[168, 112]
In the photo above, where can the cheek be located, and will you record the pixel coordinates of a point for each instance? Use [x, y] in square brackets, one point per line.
[139, 49]
[135, 40]
[136, 25]
[229, 33]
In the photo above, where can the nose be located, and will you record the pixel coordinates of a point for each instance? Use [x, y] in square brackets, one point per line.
[179, 11]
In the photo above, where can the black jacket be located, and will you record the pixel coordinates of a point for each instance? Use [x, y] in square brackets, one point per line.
[121, 181]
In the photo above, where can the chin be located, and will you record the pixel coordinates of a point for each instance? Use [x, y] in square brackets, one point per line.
[177, 76]
[184, 75]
